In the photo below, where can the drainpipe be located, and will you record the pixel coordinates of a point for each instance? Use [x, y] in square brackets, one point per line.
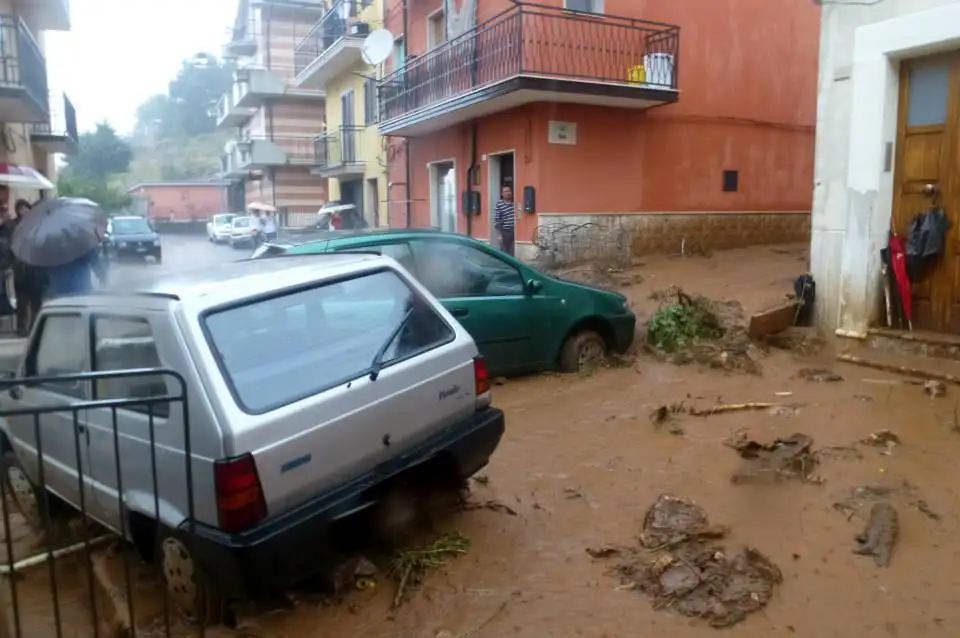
[406, 154]
[266, 19]
[470, 173]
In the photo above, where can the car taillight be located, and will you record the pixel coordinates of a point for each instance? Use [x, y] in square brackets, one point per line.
[240, 501]
[481, 381]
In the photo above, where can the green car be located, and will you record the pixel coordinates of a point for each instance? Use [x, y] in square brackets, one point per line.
[522, 320]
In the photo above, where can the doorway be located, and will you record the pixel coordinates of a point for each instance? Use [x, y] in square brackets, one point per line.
[927, 162]
[351, 192]
[500, 173]
[443, 196]
[373, 200]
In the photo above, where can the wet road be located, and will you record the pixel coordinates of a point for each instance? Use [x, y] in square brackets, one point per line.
[180, 253]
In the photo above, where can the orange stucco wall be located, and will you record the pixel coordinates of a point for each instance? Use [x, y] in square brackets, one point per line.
[183, 202]
[748, 72]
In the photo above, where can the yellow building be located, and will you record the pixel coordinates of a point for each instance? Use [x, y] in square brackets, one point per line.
[36, 123]
[351, 154]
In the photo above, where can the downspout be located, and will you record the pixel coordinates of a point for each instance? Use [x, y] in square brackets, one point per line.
[406, 153]
[470, 174]
[266, 19]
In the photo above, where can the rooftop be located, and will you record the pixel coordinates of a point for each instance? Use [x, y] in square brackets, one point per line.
[217, 183]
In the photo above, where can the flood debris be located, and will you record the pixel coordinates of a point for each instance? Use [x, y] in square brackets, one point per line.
[819, 375]
[732, 407]
[879, 537]
[792, 457]
[696, 329]
[799, 340]
[934, 388]
[682, 568]
[882, 439]
[409, 567]
[857, 502]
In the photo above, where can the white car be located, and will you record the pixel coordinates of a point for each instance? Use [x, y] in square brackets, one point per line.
[243, 231]
[218, 228]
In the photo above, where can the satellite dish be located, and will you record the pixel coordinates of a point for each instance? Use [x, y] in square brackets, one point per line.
[376, 47]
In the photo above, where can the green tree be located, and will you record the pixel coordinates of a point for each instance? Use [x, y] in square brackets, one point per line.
[97, 189]
[184, 110]
[100, 154]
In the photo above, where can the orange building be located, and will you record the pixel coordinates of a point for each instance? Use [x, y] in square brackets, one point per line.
[669, 121]
[180, 201]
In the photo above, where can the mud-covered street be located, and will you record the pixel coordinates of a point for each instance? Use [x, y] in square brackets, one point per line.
[585, 456]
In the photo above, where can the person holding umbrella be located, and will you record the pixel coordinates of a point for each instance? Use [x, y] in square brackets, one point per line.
[28, 281]
[63, 236]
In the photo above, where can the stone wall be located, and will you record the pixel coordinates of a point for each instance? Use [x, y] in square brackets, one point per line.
[570, 237]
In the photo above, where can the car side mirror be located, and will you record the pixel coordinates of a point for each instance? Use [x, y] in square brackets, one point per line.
[534, 286]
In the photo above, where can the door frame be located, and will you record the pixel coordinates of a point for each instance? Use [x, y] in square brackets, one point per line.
[865, 217]
[371, 187]
[493, 192]
[434, 182]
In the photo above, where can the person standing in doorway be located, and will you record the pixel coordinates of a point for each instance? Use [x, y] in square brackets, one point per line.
[504, 219]
[28, 282]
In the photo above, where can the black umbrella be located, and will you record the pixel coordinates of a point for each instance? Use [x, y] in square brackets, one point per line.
[58, 231]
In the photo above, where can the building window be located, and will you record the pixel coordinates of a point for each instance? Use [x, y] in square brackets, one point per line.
[731, 181]
[436, 29]
[399, 57]
[586, 6]
[370, 101]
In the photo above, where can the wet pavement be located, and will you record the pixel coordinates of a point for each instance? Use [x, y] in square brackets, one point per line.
[581, 463]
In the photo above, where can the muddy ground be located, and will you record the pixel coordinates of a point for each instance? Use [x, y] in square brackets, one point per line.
[581, 463]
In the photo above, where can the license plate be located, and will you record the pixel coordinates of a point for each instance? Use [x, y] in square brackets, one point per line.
[141, 250]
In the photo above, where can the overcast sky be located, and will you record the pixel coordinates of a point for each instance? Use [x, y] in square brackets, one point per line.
[120, 52]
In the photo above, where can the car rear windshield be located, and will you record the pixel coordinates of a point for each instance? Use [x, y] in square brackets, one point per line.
[222, 219]
[278, 350]
[130, 226]
[240, 222]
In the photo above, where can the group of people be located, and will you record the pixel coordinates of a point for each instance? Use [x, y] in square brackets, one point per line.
[23, 286]
[266, 226]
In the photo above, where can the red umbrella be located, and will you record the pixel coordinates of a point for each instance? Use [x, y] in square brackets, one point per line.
[898, 258]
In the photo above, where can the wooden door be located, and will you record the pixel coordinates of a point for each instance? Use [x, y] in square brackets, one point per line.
[928, 155]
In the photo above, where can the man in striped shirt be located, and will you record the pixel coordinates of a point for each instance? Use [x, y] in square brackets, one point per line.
[504, 219]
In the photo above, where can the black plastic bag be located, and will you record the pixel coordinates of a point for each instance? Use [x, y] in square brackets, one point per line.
[926, 239]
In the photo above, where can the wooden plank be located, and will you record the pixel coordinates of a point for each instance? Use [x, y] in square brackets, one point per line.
[774, 320]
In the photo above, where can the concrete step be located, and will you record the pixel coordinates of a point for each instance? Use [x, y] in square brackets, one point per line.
[916, 342]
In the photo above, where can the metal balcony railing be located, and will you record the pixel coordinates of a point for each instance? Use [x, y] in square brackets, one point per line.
[62, 121]
[539, 41]
[338, 147]
[332, 26]
[21, 61]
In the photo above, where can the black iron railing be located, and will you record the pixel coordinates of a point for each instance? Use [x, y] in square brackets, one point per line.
[62, 121]
[338, 147]
[332, 26]
[539, 41]
[21, 61]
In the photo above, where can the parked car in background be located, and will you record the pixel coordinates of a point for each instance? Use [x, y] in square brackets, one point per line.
[318, 387]
[218, 228]
[132, 237]
[243, 232]
[523, 320]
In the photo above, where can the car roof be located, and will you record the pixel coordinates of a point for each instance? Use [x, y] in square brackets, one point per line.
[231, 281]
[360, 235]
[122, 217]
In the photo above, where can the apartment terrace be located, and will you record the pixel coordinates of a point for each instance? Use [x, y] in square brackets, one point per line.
[533, 53]
[332, 46]
[338, 153]
[24, 94]
[59, 133]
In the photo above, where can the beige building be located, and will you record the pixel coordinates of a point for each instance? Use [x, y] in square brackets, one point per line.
[352, 151]
[36, 122]
[276, 122]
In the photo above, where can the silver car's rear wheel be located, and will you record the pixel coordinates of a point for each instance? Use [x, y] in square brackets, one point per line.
[188, 586]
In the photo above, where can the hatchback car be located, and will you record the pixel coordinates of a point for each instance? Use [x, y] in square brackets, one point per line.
[132, 237]
[523, 320]
[314, 389]
[243, 232]
[218, 228]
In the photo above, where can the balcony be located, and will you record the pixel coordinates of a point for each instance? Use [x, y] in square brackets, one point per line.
[258, 153]
[332, 46]
[227, 114]
[253, 86]
[338, 153]
[23, 74]
[45, 15]
[243, 41]
[533, 53]
[59, 133]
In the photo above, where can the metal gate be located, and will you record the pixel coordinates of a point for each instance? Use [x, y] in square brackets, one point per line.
[59, 584]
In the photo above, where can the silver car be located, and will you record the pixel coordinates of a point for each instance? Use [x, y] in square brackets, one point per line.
[227, 421]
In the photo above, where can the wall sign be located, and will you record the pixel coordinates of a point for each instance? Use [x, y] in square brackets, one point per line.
[562, 133]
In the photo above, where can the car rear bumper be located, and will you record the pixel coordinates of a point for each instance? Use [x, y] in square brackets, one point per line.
[301, 542]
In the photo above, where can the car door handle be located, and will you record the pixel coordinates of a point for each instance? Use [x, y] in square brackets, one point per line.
[459, 312]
